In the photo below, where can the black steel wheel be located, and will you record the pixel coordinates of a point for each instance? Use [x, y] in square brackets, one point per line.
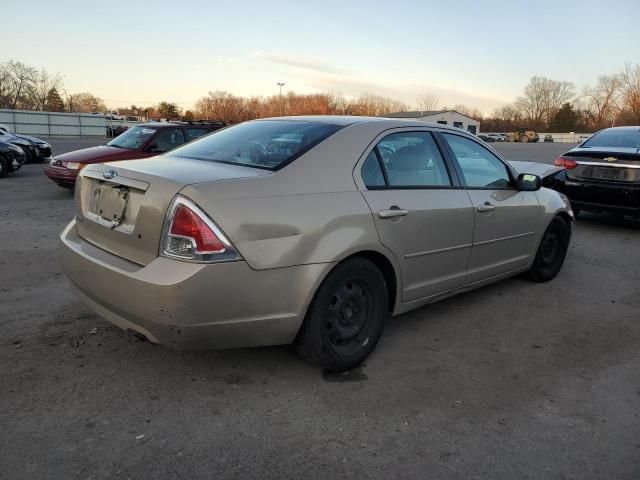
[346, 317]
[551, 251]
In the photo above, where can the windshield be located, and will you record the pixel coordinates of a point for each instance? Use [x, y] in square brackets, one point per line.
[133, 138]
[269, 144]
[625, 138]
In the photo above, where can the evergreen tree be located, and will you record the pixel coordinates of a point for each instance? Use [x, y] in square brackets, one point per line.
[54, 101]
[565, 120]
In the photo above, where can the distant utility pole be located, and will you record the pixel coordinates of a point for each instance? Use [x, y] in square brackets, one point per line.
[280, 84]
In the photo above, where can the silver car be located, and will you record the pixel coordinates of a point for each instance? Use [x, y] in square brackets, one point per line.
[305, 230]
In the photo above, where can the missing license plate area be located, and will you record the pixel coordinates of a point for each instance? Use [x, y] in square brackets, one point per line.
[111, 204]
[608, 173]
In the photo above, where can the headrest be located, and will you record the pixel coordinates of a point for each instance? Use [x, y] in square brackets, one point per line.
[410, 158]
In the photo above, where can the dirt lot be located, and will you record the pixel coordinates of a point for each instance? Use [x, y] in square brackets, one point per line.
[512, 381]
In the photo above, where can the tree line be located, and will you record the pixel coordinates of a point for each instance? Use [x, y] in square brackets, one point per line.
[545, 104]
[25, 87]
[552, 105]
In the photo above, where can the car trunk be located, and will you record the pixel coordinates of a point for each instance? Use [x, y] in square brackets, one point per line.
[610, 165]
[124, 214]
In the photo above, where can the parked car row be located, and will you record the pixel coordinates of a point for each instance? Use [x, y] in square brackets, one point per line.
[325, 224]
[35, 150]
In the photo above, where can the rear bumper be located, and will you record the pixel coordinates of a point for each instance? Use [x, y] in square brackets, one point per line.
[611, 196]
[61, 175]
[187, 305]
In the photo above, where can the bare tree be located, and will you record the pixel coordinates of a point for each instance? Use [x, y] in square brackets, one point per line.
[85, 103]
[630, 79]
[542, 99]
[427, 102]
[600, 103]
[18, 84]
[558, 93]
[468, 111]
[44, 83]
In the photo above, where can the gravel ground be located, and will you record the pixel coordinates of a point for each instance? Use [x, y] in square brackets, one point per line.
[513, 381]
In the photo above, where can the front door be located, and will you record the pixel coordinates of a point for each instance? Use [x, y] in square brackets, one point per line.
[421, 215]
[505, 234]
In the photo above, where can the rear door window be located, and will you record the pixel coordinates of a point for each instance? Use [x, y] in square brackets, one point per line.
[167, 139]
[193, 133]
[409, 159]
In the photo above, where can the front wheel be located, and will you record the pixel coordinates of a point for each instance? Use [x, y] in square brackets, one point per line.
[346, 317]
[4, 167]
[551, 251]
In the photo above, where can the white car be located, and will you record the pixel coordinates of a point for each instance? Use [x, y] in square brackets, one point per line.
[497, 137]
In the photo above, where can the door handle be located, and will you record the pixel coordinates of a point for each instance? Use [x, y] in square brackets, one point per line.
[486, 207]
[393, 212]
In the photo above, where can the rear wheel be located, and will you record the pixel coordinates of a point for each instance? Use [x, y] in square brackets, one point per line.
[4, 167]
[551, 252]
[346, 317]
[524, 139]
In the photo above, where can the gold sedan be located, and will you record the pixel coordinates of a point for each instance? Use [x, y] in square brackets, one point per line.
[305, 230]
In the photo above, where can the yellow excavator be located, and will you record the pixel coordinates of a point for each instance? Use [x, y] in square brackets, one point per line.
[524, 136]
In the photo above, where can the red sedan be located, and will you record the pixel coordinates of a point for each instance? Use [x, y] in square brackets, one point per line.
[141, 141]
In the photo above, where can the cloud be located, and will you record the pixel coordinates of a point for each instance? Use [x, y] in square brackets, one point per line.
[308, 63]
[318, 75]
[351, 86]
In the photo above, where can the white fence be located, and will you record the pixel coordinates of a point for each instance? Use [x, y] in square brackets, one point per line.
[54, 123]
[571, 137]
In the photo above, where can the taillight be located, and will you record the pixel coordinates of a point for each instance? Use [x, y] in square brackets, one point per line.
[189, 234]
[565, 162]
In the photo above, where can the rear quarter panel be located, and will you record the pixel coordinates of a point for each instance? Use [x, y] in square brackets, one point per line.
[284, 230]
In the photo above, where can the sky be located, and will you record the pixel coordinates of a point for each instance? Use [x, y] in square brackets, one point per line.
[477, 53]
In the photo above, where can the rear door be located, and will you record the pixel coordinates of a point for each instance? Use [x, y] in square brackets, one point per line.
[421, 212]
[506, 219]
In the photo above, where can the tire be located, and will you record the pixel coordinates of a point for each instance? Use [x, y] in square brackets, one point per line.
[28, 156]
[346, 317]
[524, 139]
[4, 167]
[551, 251]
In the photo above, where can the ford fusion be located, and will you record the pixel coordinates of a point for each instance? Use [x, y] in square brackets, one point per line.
[305, 230]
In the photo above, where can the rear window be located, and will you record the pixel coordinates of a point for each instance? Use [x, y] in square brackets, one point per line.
[614, 138]
[269, 144]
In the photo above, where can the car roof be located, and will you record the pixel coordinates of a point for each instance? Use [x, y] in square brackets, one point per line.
[178, 124]
[626, 127]
[345, 120]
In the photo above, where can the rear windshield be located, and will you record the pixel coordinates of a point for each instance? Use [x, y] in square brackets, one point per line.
[269, 144]
[614, 138]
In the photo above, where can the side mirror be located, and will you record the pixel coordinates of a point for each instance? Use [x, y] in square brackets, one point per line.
[528, 182]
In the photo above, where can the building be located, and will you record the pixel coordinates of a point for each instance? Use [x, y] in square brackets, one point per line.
[444, 117]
